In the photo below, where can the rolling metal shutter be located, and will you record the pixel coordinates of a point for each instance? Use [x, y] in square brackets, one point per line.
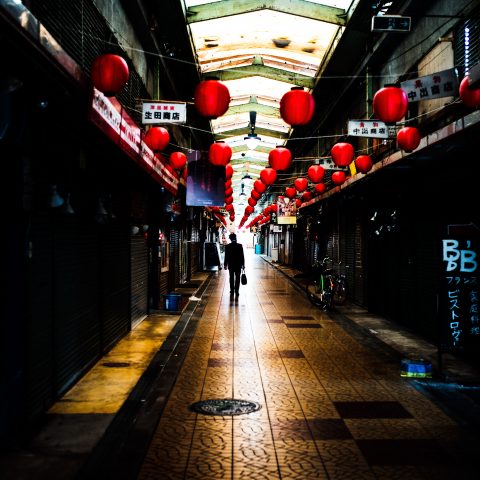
[115, 283]
[76, 296]
[175, 259]
[39, 327]
[138, 278]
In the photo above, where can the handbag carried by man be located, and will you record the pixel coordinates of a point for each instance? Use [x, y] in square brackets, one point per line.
[243, 277]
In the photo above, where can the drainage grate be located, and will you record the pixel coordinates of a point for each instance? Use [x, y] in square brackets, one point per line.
[225, 407]
[116, 364]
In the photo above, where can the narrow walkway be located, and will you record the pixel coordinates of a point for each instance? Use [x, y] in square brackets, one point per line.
[332, 402]
[331, 407]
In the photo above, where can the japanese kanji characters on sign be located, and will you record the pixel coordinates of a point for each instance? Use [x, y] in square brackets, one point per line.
[436, 85]
[459, 298]
[370, 128]
[164, 112]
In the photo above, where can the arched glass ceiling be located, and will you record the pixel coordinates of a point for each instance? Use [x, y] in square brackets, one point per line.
[260, 50]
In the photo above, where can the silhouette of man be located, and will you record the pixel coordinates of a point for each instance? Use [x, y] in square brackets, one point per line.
[234, 261]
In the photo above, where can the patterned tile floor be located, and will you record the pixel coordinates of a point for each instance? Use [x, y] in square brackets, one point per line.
[333, 403]
[331, 407]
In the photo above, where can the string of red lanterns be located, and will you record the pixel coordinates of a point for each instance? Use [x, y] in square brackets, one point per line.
[364, 163]
[469, 96]
[157, 139]
[342, 154]
[211, 98]
[219, 154]
[297, 107]
[280, 158]
[408, 138]
[390, 104]
[177, 160]
[109, 74]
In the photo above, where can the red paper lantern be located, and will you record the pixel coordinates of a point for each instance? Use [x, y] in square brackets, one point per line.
[266, 210]
[470, 96]
[316, 173]
[219, 154]
[256, 195]
[252, 202]
[297, 107]
[290, 192]
[229, 207]
[232, 217]
[298, 202]
[249, 209]
[228, 171]
[109, 74]
[408, 138]
[268, 175]
[274, 207]
[364, 163]
[211, 98]
[157, 138]
[259, 186]
[228, 183]
[177, 160]
[280, 158]
[301, 184]
[390, 104]
[342, 154]
[338, 178]
[228, 200]
[229, 192]
[307, 196]
[320, 188]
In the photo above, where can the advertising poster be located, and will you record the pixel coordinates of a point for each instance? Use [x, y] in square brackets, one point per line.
[286, 211]
[205, 182]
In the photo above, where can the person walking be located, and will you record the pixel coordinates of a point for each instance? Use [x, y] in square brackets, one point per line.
[234, 262]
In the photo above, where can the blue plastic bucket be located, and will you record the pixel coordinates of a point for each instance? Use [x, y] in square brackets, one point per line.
[258, 249]
[171, 301]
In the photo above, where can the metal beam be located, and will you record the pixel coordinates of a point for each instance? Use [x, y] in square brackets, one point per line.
[263, 71]
[253, 105]
[246, 130]
[300, 8]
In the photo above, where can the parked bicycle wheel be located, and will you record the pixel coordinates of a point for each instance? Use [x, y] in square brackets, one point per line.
[340, 291]
[319, 296]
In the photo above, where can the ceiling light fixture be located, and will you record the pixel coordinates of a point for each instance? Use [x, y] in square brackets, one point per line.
[247, 180]
[252, 140]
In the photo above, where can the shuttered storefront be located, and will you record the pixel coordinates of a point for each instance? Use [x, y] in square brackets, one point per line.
[138, 278]
[78, 289]
[39, 323]
[115, 283]
[76, 297]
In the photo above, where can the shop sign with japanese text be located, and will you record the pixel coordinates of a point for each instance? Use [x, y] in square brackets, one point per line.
[164, 112]
[459, 295]
[370, 128]
[113, 120]
[436, 85]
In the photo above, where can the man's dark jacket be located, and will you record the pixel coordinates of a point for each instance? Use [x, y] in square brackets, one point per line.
[234, 259]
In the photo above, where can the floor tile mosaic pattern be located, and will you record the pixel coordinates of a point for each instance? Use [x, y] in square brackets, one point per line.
[331, 407]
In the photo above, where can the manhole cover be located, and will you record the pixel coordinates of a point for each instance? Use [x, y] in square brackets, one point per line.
[224, 407]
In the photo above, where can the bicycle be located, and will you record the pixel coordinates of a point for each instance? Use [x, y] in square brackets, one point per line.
[326, 287]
